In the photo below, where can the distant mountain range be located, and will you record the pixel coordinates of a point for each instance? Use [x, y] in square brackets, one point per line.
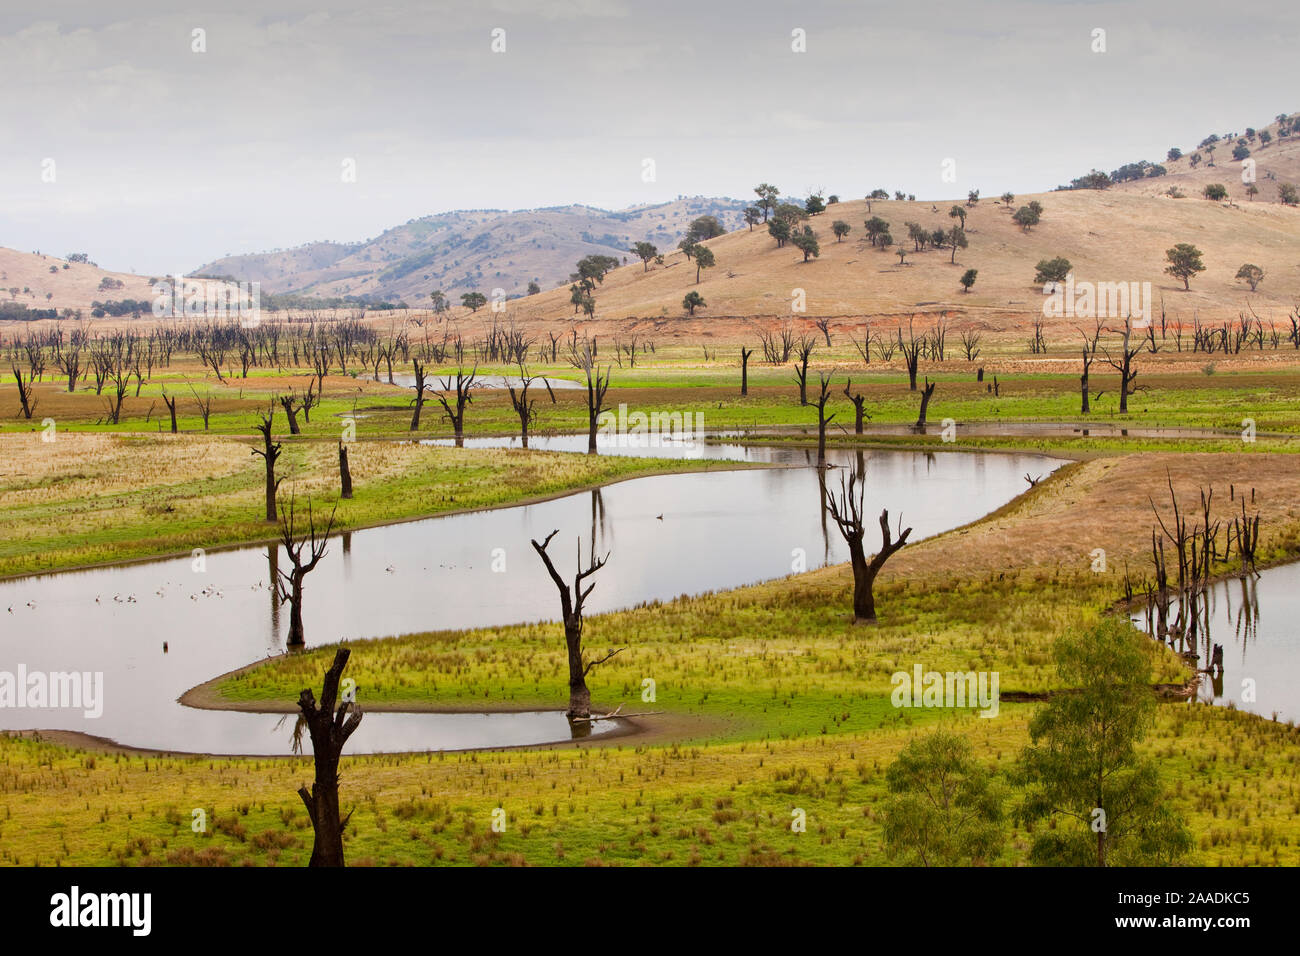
[471, 250]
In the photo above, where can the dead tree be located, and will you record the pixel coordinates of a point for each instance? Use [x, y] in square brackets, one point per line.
[420, 379]
[859, 402]
[290, 406]
[1124, 365]
[744, 370]
[25, 392]
[205, 405]
[289, 585]
[171, 408]
[571, 604]
[270, 453]
[825, 326]
[806, 345]
[597, 385]
[463, 398]
[848, 514]
[345, 471]
[926, 394]
[822, 418]
[329, 730]
[911, 353]
[523, 405]
[1089, 355]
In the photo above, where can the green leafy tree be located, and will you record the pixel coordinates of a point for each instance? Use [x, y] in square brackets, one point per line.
[1025, 218]
[1287, 194]
[876, 227]
[1184, 262]
[1173, 154]
[973, 197]
[1216, 191]
[752, 216]
[1082, 771]
[766, 198]
[645, 251]
[1251, 274]
[955, 239]
[705, 227]
[806, 242]
[534, 288]
[790, 213]
[1051, 271]
[473, 300]
[703, 260]
[840, 228]
[779, 229]
[814, 204]
[968, 279]
[1008, 198]
[878, 194]
[693, 301]
[688, 247]
[594, 267]
[944, 808]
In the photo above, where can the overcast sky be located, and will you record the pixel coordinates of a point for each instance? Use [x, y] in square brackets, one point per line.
[164, 158]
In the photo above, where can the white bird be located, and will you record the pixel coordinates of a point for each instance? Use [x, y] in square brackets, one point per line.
[32, 605]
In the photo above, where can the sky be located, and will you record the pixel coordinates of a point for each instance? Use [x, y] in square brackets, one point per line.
[156, 148]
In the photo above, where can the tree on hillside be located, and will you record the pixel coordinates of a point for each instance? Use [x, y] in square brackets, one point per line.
[688, 247]
[1091, 797]
[814, 205]
[595, 267]
[693, 301]
[848, 513]
[956, 239]
[840, 228]
[1008, 198]
[473, 300]
[645, 251]
[766, 198]
[1216, 192]
[944, 808]
[879, 194]
[1287, 194]
[972, 199]
[968, 279]
[752, 215]
[1184, 262]
[779, 229]
[704, 259]
[1174, 154]
[958, 212]
[705, 227]
[1251, 274]
[534, 288]
[876, 227]
[806, 242]
[1051, 272]
[1025, 218]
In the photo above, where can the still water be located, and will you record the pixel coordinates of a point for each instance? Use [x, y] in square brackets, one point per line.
[667, 536]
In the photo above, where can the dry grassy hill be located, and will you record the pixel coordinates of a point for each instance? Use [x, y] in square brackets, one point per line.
[1111, 236]
[44, 282]
[470, 250]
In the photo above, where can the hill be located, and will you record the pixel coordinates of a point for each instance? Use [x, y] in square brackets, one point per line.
[463, 251]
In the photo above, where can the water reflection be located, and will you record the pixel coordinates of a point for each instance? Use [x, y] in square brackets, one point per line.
[669, 535]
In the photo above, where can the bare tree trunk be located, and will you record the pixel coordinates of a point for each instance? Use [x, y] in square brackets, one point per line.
[345, 472]
[329, 731]
[925, 403]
